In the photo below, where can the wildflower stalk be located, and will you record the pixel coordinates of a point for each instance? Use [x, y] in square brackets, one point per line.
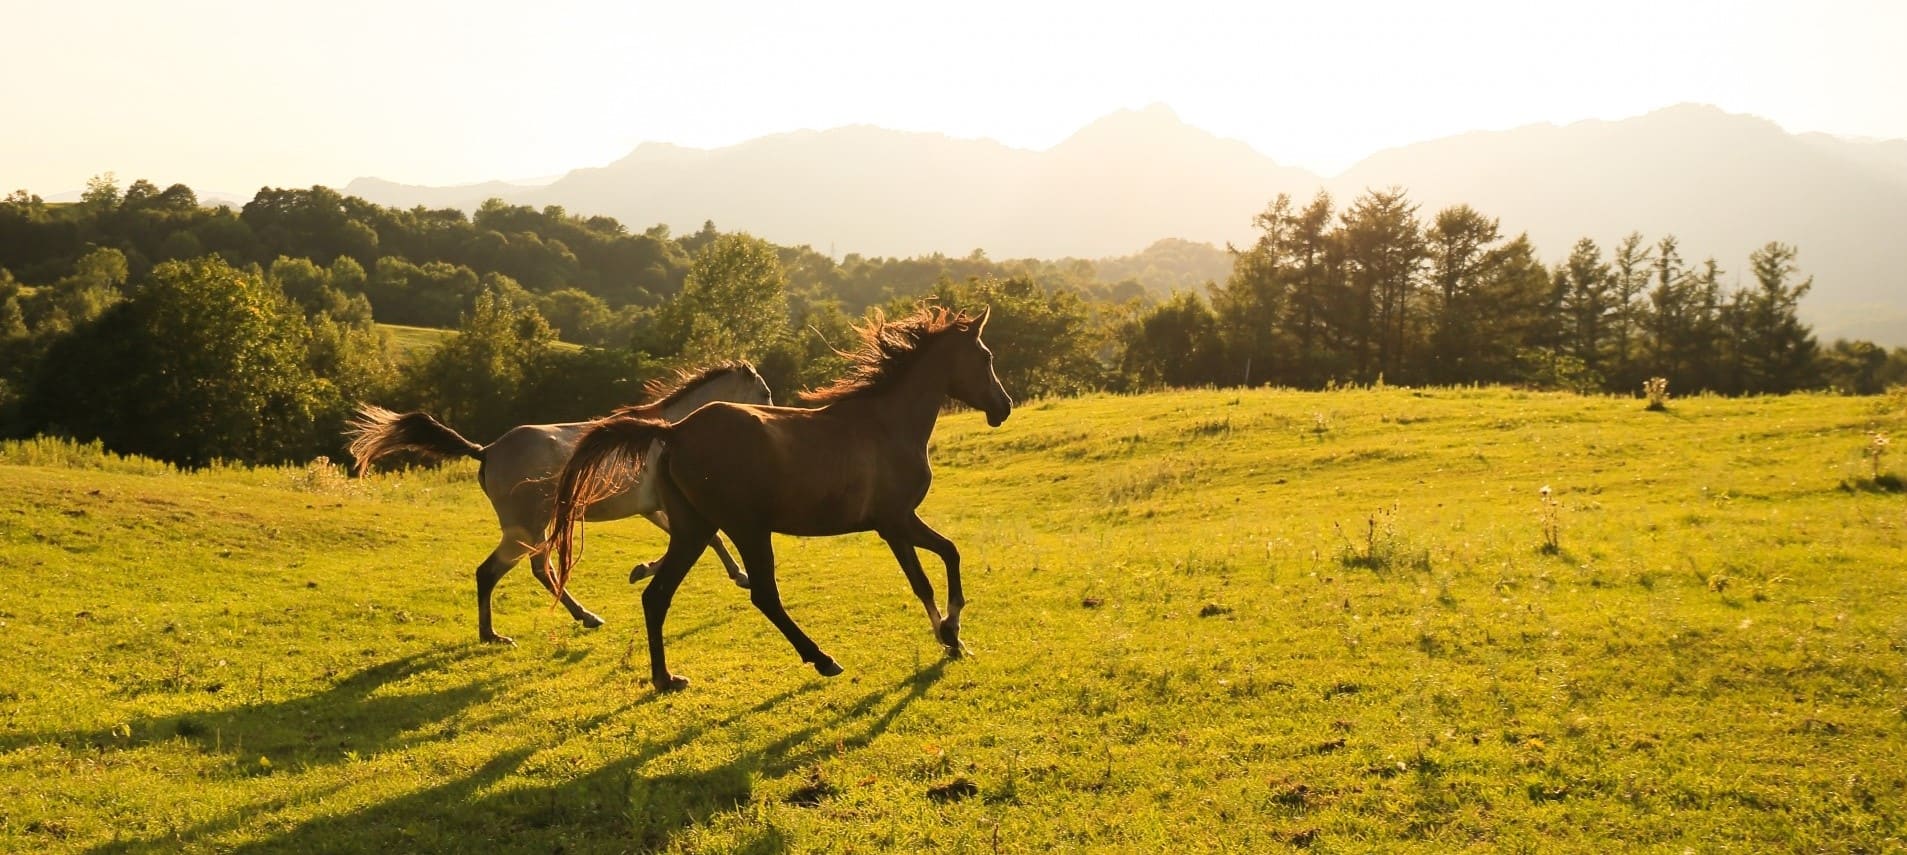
[1550, 516]
[1656, 389]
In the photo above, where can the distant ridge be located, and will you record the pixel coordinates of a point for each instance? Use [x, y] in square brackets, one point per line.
[1723, 183]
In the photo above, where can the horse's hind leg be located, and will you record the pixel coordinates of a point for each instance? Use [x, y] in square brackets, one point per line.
[661, 520]
[506, 556]
[516, 544]
[686, 544]
[735, 573]
[540, 568]
[492, 569]
[758, 553]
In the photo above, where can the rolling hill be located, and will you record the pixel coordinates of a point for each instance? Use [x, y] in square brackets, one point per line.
[1723, 183]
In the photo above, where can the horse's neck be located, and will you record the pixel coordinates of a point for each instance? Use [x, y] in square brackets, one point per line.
[914, 404]
[712, 390]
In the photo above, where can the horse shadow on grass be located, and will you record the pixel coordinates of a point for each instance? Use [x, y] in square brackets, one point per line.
[618, 807]
[351, 717]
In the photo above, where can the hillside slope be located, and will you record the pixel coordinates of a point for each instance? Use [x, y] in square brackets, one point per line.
[1331, 613]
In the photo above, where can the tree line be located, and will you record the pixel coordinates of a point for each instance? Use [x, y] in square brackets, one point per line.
[1373, 292]
[195, 333]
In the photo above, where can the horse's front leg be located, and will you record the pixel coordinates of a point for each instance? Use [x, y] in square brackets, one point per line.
[924, 536]
[902, 540]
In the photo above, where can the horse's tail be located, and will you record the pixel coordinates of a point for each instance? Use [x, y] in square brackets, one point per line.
[608, 455]
[376, 432]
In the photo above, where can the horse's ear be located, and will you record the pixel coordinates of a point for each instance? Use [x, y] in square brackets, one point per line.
[981, 324]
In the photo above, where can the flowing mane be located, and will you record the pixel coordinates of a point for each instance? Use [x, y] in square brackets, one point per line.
[666, 390]
[888, 349]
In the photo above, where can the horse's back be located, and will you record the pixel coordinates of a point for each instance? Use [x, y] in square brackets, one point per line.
[528, 452]
[798, 471]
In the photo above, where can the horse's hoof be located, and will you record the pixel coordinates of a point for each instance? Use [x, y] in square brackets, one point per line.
[493, 638]
[827, 667]
[671, 683]
[641, 572]
[741, 580]
[949, 635]
[590, 621]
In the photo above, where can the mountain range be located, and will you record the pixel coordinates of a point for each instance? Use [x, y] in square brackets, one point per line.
[1724, 184]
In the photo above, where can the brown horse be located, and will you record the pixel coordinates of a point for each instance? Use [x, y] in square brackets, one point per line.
[519, 471]
[858, 462]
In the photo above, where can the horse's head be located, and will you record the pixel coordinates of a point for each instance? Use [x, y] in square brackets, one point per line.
[750, 388]
[973, 381]
[736, 382]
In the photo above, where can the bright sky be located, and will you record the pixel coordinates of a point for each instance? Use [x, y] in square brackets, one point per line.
[231, 96]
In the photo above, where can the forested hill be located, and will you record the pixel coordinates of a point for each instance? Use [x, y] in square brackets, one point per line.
[163, 327]
[1725, 184]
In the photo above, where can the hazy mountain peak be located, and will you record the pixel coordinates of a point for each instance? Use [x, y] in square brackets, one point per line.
[1705, 118]
[1724, 183]
[1152, 124]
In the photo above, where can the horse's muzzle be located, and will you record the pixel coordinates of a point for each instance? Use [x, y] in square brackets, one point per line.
[996, 417]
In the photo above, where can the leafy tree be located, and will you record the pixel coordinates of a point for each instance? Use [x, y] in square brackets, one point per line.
[1589, 304]
[177, 198]
[1044, 342]
[1251, 303]
[807, 359]
[224, 232]
[101, 193]
[578, 316]
[320, 224]
[1518, 313]
[1684, 319]
[347, 275]
[476, 378]
[1168, 265]
[79, 297]
[302, 281]
[204, 362]
[565, 384]
[1176, 344]
[1383, 254]
[734, 304]
[1854, 367]
[1459, 246]
[1777, 350]
[179, 245]
[431, 295]
[1318, 296]
[12, 318]
[1629, 280]
[142, 194]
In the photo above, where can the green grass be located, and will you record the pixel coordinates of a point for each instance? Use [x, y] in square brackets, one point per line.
[415, 343]
[1235, 621]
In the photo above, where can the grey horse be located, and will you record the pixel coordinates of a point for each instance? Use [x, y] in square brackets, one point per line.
[518, 473]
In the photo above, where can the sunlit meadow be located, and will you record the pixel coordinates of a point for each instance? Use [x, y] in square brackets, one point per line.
[1359, 620]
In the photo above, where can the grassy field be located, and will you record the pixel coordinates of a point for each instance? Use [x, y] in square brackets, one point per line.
[415, 343]
[1206, 621]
